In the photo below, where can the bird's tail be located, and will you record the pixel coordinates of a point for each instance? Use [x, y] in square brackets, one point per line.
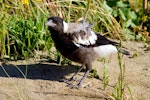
[123, 51]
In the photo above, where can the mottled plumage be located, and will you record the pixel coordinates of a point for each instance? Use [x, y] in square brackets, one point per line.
[79, 43]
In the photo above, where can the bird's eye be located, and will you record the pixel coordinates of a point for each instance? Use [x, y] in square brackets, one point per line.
[54, 21]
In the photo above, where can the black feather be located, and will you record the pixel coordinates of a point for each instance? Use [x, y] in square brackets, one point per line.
[104, 41]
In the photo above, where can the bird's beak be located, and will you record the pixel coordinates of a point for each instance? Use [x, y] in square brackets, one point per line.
[50, 23]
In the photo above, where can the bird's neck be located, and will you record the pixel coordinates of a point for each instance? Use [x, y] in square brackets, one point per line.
[54, 33]
[55, 37]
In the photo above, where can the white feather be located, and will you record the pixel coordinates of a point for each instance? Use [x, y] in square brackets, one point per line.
[78, 45]
[94, 36]
[105, 50]
[81, 41]
[65, 30]
[86, 41]
[92, 39]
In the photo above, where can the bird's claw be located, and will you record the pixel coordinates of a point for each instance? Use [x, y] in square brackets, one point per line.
[78, 86]
[68, 81]
[74, 86]
[73, 79]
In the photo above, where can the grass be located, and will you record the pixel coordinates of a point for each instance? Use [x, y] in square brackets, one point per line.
[119, 92]
[120, 87]
[24, 28]
[23, 31]
[105, 76]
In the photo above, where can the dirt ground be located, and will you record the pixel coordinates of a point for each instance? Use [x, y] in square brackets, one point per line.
[43, 78]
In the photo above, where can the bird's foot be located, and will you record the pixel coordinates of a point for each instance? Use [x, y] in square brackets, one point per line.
[78, 86]
[73, 79]
[68, 81]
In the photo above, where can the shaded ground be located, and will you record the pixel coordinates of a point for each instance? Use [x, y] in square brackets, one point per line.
[42, 81]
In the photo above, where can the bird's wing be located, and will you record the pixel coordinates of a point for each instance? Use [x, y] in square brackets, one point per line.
[101, 40]
[90, 39]
[84, 38]
[82, 35]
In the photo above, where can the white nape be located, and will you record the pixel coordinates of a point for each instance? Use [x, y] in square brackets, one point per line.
[105, 50]
[65, 30]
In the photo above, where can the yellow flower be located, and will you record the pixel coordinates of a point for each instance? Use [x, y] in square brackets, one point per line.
[38, 0]
[26, 2]
[7, 6]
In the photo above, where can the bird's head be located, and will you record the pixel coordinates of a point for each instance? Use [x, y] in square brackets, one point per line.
[56, 23]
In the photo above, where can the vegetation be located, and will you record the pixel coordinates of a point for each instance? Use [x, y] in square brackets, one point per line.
[23, 31]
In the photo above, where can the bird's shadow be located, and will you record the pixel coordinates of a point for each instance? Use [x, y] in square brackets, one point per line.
[49, 71]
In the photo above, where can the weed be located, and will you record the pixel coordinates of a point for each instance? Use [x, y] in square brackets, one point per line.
[94, 74]
[23, 31]
[119, 89]
[23, 23]
[105, 75]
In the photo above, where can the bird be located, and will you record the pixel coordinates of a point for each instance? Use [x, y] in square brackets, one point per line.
[79, 43]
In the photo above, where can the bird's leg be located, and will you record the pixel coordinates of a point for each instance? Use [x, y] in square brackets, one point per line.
[73, 78]
[82, 79]
[88, 68]
[74, 75]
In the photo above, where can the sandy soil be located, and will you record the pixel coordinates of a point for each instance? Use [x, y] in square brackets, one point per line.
[42, 81]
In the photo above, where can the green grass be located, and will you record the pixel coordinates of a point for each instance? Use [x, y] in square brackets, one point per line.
[23, 31]
[105, 75]
[119, 92]
[121, 88]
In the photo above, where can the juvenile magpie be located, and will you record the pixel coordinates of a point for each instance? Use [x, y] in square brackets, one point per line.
[79, 43]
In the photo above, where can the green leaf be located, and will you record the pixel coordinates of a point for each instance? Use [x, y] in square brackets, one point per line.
[107, 8]
[130, 23]
[112, 3]
[122, 4]
[122, 14]
[115, 13]
[132, 15]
